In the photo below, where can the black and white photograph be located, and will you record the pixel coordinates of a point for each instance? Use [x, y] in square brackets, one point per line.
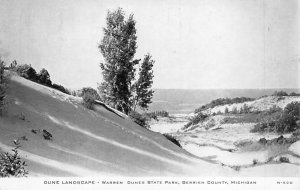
[150, 94]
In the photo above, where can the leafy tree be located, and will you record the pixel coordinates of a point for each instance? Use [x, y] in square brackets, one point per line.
[2, 86]
[143, 85]
[226, 110]
[118, 48]
[44, 77]
[234, 110]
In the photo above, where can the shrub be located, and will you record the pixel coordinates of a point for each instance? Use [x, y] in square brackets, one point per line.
[234, 110]
[286, 122]
[284, 159]
[139, 119]
[255, 161]
[273, 109]
[11, 165]
[226, 110]
[88, 100]
[90, 91]
[259, 128]
[196, 119]
[61, 88]
[172, 139]
[280, 93]
[294, 94]
[27, 72]
[44, 78]
[245, 109]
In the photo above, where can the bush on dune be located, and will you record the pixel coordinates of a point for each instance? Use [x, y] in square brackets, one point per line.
[196, 119]
[294, 94]
[172, 139]
[280, 93]
[44, 78]
[288, 121]
[61, 88]
[88, 99]
[27, 72]
[139, 119]
[89, 90]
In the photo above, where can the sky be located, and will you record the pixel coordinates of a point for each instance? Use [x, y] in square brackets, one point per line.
[196, 44]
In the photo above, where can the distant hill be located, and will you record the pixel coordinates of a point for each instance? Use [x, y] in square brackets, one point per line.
[186, 101]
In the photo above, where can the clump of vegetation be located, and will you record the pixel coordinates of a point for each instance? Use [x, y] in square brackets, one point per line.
[44, 133]
[255, 161]
[234, 110]
[284, 159]
[236, 168]
[196, 119]
[11, 165]
[223, 101]
[243, 143]
[61, 88]
[245, 109]
[27, 72]
[88, 101]
[43, 77]
[89, 95]
[47, 135]
[172, 139]
[294, 94]
[288, 121]
[139, 119]
[280, 93]
[283, 93]
[89, 90]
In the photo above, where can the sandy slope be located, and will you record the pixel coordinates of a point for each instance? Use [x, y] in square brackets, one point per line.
[88, 143]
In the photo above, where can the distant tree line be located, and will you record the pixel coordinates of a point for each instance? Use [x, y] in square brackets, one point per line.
[283, 93]
[156, 114]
